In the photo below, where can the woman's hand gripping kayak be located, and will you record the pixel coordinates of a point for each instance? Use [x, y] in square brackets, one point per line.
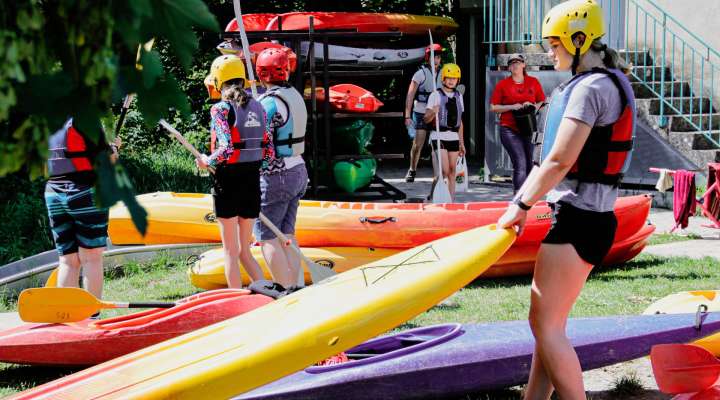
[514, 217]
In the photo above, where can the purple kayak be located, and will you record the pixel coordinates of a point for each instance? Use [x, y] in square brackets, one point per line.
[454, 359]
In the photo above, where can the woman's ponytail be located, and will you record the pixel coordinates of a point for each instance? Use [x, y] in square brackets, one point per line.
[233, 91]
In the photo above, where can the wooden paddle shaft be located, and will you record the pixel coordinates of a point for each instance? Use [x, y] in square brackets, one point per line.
[184, 142]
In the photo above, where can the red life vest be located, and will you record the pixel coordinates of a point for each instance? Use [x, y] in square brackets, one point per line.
[606, 155]
[68, 151]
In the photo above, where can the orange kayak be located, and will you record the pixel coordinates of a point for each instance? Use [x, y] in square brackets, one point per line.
[188, 218]
[363, 22]
[349, 98]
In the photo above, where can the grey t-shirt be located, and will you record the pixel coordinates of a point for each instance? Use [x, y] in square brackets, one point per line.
[595, 101]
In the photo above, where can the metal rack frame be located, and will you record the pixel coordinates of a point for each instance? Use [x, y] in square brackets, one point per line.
[307, 68]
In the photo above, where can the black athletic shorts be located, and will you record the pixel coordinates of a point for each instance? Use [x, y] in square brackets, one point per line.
[236, 190]
[449, 145]
[591, 233]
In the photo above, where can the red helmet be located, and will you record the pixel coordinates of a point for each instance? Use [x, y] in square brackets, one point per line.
[435, 47]
[272, 65]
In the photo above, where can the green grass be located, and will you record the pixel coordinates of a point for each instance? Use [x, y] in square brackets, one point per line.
[662, 238]
[626, 289]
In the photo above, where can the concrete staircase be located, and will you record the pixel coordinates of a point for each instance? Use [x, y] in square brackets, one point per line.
[674, 126]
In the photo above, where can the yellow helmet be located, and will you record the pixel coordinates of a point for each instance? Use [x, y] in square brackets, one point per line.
[227, 67]
[209, 81]
[571, 17]
[450, 71]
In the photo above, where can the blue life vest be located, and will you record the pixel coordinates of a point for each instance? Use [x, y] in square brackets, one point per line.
[450, 111]
[606, 155]
[247, 132]
[423, 90]
[289, 134]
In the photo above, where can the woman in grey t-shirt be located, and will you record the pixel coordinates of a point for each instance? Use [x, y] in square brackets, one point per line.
[580, 175]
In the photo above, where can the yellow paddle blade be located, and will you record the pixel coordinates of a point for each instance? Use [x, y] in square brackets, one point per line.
[58, 305]
[52, 279]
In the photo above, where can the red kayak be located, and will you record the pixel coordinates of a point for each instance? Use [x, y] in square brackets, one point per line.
[349, 98]
[92, 342]
[363, 22]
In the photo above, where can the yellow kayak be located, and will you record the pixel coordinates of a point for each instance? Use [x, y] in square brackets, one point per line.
[690, 302]
[275, 340]
[208, 272]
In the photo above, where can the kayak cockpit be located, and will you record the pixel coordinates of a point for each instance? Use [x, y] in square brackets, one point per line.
[393, 346]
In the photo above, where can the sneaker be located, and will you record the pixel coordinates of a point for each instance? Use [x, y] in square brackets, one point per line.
[410, 176]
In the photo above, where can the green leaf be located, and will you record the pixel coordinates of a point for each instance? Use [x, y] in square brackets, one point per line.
[114, 185]
[152, 68]
[154, 103]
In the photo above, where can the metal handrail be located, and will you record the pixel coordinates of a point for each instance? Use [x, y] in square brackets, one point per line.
[661, 44]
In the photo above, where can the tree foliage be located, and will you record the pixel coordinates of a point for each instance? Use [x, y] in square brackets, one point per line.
[61, 58]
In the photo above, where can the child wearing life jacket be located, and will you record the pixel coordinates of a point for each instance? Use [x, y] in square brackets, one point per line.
[283, 177]
[588, 140]
[237, 130]
[446, 103]
[79, 226]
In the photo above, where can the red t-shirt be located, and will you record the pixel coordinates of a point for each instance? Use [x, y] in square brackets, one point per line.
[509, 92]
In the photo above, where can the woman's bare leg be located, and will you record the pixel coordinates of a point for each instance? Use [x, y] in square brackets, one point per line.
[231, 250]
[560, 275]
[251, 266]
[91, 261]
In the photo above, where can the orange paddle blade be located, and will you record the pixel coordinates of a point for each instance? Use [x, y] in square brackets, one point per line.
[684, 368]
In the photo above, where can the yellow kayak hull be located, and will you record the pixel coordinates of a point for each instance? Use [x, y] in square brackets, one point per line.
[689, 302]
[208, 272]
[291, 333]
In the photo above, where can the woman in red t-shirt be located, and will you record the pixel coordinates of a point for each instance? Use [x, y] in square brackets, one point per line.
[513, 93]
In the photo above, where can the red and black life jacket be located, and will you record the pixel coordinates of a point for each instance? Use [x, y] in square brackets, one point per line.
[247, 131]
[68, 152]
[606, 155]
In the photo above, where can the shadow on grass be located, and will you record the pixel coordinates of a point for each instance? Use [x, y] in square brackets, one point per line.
[22, 377]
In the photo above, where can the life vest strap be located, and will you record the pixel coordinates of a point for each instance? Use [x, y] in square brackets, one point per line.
[289, 141]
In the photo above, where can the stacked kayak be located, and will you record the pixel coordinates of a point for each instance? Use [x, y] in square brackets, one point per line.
[361, 22]
[446, 360]
[351, 175]
[92, 342]
[297, 330]
[352, 137]
[347, 97]
[208, 272]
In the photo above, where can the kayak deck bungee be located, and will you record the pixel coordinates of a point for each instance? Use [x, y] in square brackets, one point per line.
[447, 360]
[188, 217]
[294, 331]
[91, 342]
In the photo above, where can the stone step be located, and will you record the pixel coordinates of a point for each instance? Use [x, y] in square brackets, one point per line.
[684, 105]
[708, 121]
[674, 89]
[645, 74]
[637, 57]
[694, 140]
[531, 59]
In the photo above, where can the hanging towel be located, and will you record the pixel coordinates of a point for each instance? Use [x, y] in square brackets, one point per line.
[684, 201]
[711, 200]
[665, 181]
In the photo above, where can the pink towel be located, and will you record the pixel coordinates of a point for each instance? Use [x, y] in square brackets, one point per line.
[684, 202]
